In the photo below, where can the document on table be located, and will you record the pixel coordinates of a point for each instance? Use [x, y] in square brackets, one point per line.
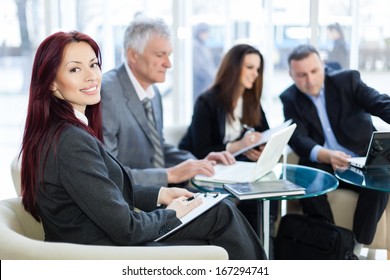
[265, 135]
[209, 200]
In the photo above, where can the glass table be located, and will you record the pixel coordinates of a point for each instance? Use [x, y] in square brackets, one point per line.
[315, 181]
[375, 178]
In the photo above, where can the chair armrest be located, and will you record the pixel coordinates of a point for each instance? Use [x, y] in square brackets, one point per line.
[15, 246]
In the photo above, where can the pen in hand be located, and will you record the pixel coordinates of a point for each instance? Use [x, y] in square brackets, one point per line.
[193, 197]
[248, 128]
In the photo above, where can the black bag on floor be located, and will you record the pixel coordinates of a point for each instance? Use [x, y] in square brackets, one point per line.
[304, 238]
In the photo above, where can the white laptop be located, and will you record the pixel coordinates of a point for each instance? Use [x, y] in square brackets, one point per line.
[243, 172]
[378, 154]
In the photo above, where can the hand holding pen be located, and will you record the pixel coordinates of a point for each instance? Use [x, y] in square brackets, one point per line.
[248, 129]
[206, 194]
[193, 197]
[184, 205]
[250, 136]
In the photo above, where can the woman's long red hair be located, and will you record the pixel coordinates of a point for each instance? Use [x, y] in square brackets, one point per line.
[47, 115]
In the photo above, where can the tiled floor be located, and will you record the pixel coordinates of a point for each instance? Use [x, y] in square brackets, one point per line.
[366, 254]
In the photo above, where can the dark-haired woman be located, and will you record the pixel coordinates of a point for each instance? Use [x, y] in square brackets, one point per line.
[229, 115]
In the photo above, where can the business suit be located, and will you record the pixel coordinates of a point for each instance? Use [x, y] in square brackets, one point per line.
[87, 197]
[207, 129]
[349, 103]
[126, 132]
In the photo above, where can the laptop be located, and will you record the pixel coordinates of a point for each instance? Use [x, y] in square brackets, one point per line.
[378, 154]
[245, 172]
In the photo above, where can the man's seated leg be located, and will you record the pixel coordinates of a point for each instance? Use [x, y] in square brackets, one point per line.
[317, 207]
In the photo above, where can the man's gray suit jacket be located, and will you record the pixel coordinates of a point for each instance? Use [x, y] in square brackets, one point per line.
[126, 132]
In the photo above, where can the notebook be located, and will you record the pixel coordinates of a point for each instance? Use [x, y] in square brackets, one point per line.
[243, 172]
[378, 154]
[263, 189]
[209, 200]
[265, 135]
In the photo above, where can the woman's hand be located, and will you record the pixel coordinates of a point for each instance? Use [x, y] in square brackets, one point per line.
[183, 206]
[167, 195]
[254, 154]
[249, 138]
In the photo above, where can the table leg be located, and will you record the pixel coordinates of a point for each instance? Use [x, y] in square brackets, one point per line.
[265, 223]
[260, 224]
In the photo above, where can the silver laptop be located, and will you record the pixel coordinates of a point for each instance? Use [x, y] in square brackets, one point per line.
[243, 172]
[378, 154]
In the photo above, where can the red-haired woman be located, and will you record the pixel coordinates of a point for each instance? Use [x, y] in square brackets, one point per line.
[78, 190]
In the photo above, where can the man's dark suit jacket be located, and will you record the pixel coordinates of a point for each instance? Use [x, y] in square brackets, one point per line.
[207, 129]
[349, 105]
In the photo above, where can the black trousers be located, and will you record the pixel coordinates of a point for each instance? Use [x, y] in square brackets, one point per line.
[369, 209]
[225, 226]
[250, 209]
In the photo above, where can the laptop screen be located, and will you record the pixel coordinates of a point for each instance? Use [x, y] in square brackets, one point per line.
[379, 150]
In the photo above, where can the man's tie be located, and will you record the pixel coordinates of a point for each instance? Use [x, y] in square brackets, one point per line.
[158, 152]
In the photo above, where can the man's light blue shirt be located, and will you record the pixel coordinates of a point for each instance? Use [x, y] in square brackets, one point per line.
[330, 139]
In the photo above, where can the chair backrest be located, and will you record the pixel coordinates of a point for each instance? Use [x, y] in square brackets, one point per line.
[15, 173]
[173, 134]
[16, 218]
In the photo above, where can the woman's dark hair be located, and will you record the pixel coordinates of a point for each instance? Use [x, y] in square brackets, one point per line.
[228, 82]
[47, 115]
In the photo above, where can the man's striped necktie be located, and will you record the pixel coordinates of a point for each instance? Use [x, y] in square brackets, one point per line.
[158, 151]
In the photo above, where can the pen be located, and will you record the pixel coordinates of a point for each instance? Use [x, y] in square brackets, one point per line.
[193, 197]
[248, 128]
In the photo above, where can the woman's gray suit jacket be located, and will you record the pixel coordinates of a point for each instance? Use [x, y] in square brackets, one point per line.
[88, 198]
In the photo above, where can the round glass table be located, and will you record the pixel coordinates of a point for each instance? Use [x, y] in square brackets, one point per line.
[315, 181]
[371, 178]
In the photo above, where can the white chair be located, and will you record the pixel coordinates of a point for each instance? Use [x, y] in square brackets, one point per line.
[15, 174]
[21, 237]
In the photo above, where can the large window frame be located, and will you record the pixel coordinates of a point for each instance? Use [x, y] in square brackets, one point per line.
[47, 16]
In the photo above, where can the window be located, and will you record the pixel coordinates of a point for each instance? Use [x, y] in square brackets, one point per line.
[274, 26]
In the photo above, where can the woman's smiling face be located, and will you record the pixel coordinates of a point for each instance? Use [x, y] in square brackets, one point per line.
[79, 76]
[250, 70]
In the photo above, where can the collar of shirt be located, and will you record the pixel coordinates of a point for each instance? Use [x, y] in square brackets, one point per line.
[320, 96]
[81, 117]
[142, 94]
